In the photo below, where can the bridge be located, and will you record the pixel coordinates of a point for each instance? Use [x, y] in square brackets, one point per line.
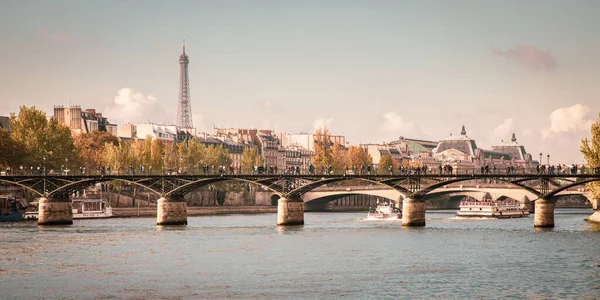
[54, 206]
[319, 198]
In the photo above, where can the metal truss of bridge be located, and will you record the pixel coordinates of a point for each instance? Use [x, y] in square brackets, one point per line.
[55, 205]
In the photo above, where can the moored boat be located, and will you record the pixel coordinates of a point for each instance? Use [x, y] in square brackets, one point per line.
[83, 208]
[384, 211]
[492, 209]
[12, 209]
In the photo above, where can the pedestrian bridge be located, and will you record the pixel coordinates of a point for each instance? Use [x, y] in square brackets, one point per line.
[413, 189]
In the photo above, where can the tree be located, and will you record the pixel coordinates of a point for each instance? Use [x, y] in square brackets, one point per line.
[217, 156]
[591, 153]
[357, 157]
[322, 145]
[250, 158]
[338, 158]
[41, 138]
[385, 162]
[11, 151]
[91, 145]
[192, 155]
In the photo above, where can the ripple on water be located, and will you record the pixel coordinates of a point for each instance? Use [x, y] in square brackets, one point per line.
[332, 256]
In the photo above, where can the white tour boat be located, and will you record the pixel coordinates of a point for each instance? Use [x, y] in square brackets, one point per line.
[384, 211]
[83, 208]
[492, 209]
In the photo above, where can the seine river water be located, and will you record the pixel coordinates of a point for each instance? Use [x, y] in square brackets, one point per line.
[335, 255]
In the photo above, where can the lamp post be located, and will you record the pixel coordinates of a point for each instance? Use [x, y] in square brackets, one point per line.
[540, 158]
[548, 159]
[44, 159]
[162, 156]
[66, 166]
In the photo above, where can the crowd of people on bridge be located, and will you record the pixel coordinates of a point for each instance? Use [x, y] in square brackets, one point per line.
[446, 169]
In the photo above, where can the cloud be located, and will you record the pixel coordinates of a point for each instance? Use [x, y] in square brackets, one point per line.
[199, 122]
[130, 106]
[503, 131]
[530, 57]
[321, 123]
[568, 119]
[45, 34]
[393, 122]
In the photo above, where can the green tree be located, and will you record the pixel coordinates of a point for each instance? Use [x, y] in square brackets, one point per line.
[11, 151]
[250, 158]
[41, 138]
[385, 162]
[192, 156]
[591, 153]
[217, 156]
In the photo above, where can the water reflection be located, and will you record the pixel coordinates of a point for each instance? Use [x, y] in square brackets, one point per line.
[171, 227]
[289, 229]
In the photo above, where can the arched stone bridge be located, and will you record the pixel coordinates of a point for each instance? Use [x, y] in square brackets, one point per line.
[55, 204]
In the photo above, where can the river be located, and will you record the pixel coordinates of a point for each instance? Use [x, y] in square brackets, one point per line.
[335, 255]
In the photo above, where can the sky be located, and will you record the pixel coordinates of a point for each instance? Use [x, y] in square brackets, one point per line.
[369, 70]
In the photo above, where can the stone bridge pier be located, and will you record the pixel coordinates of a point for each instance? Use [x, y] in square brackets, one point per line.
[55, 211]
[544, 213]
[171, 210]
[290, 211]
[413, 212]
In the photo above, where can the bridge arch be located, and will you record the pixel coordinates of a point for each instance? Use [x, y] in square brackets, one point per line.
[311, 186]
[320, 196]
[196, 184]
[15, 183]
[552, 193]
[434, 186]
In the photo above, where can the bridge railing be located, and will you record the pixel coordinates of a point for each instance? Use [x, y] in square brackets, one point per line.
[455, 170]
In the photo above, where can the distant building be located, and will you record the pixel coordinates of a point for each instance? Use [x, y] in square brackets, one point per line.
[378, 150]
[269, 147]
[463, 151]
[414, 147]
[83, 121]
[294, 156]
[516, 151]
[307, 140]
[170, 133]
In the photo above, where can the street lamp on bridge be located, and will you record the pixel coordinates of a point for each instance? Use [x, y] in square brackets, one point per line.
[66, 166]
[548, 159]
[540, 158]
[162, 156]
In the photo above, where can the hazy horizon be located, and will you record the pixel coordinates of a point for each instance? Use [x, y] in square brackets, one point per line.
[372, 71]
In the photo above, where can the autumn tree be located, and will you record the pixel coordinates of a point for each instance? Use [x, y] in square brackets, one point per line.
[591, 153]
[357, 157]
[338, 158]
[91, 145]
[41, 138]
[322, 146]
[250, 158]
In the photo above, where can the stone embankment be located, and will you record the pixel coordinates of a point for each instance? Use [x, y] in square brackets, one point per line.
[127, 212]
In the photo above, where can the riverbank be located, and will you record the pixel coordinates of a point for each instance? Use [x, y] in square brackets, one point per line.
[129, 212]
[594, 218]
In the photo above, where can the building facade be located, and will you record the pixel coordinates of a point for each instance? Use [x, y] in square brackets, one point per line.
[83, 121]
